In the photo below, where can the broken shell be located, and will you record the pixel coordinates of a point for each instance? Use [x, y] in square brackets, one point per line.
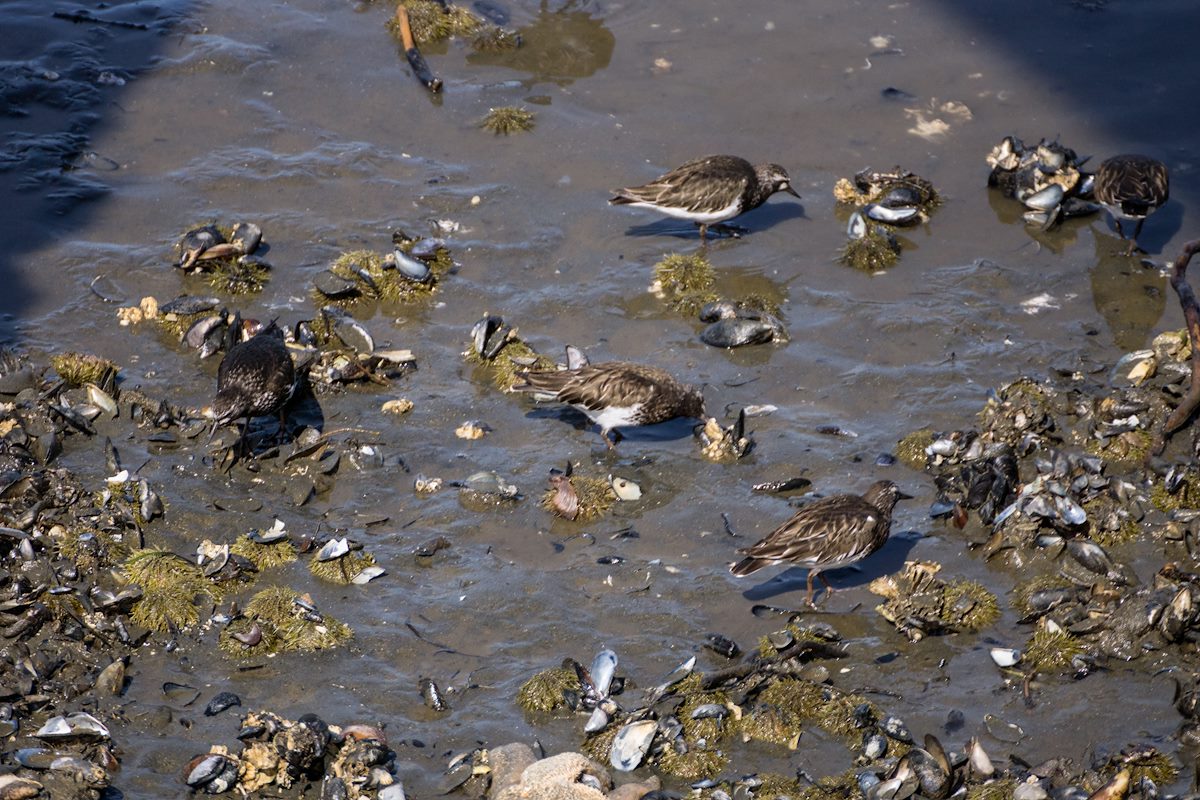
[79, 725]
[631, 744]
[246, 236]
[334, 548]
[624, 488]
[333, 285]
[1005, 656]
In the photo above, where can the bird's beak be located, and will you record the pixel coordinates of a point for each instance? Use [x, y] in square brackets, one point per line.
[213, 431]
[788, 188]
[903, 495]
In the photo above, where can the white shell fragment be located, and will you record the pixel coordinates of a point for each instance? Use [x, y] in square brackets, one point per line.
[1005, 656]
[368, 574]
[79, 725]
[334, 548]
[624, 488]
[631, 745]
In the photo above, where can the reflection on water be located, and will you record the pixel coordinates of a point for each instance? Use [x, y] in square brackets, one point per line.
[1130, 297]
[558, 47]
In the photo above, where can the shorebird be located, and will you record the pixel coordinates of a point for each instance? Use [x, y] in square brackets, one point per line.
[709, 190]
[617, 394]
[1132, 187]
[828, 533]
[256, 379]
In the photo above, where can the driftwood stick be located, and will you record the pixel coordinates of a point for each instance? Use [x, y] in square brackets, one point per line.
[83, 16]
[421, 69]
[1191, 315]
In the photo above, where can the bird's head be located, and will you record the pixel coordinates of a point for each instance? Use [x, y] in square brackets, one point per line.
[775, 177]
[884, 495]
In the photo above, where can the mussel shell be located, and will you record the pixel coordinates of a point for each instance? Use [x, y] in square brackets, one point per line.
[718, 310]
[604, 667]
[247, 236]
[482, 331]
[348, 330]
[427, 249]
[1046, 199]
[411, 268]
[576, 358]
[203, 329]
[892, 215]
[186, 305]
[856, 228]
[333, 285]
[730, 333]
[221, 702]
[333, 549]
[900, 197]
[631, 744]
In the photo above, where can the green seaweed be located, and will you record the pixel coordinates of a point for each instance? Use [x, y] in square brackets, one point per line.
[1051, 650]
[170, 588]
[80, 368]
[911, 449]
[543, 692]
[264, 556]
[507, 120]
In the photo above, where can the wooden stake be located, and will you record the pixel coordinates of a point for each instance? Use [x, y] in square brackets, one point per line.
[421, 69]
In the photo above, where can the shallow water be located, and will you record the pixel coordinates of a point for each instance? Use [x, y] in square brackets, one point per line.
[304, 118]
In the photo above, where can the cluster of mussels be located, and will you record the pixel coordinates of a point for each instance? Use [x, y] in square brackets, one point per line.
[1056, 481]
[229, 257]
[333, 348]
[883, 201]
[83, 585]
[686, 284]
[1048, 179]
[686, 725]
[350, 763]
[66, 624]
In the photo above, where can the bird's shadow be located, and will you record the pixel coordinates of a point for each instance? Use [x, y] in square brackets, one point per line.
[889, 559]
[761, 218]
[669, 431]
[1157, 231]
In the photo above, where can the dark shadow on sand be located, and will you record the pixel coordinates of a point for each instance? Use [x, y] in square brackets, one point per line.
[888, 560]
[760, 219]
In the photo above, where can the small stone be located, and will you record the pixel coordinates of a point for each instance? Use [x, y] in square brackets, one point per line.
[399, 406]
[471, 430]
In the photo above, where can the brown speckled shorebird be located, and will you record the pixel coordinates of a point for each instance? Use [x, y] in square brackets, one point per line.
[828, 533]
[617, 394]
[256, 379]
[1132, 187]
[709, 190]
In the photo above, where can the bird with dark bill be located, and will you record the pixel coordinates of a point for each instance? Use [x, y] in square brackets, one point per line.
[256, 379]
[826, 534]
[709, 190]
[1132, 187]
[617, 394]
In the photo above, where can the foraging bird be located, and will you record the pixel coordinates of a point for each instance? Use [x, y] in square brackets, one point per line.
[827, 533]
[617, 394]
[1131, 187]
[709, 190]
[256, 379]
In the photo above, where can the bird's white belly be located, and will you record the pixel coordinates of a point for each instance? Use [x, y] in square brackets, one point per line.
[613, 416]
[728, 212]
